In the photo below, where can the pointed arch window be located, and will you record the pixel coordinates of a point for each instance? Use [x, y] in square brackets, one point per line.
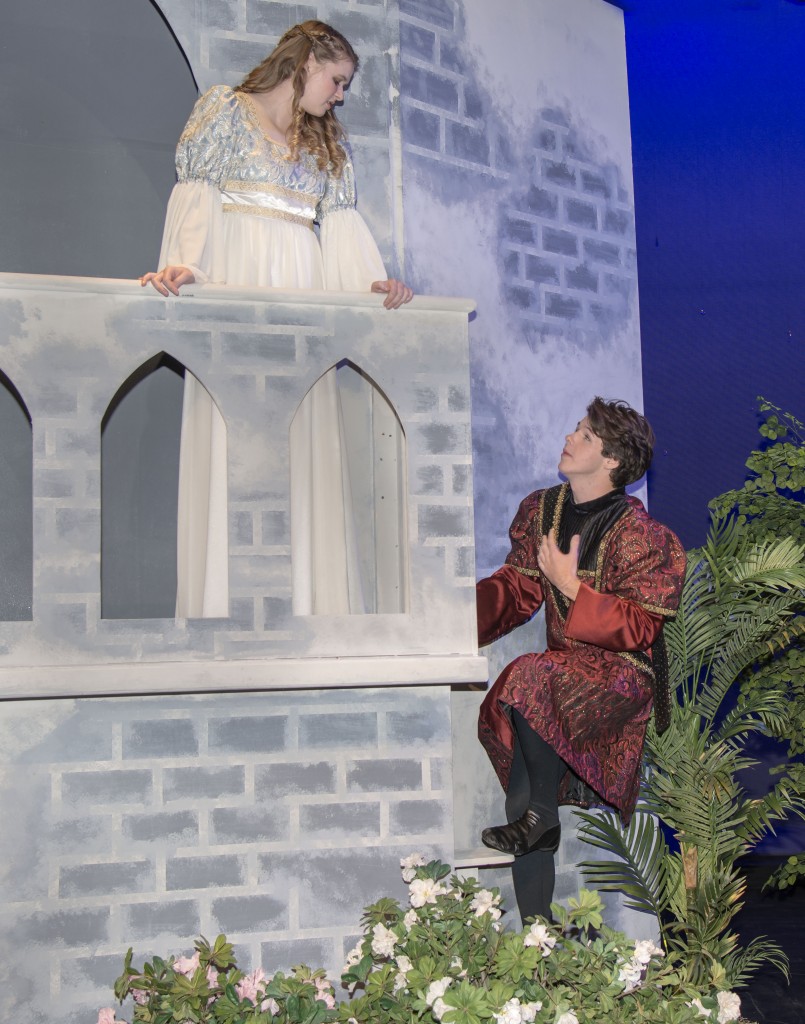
[140, 465]
[349, 543]
[16, 508]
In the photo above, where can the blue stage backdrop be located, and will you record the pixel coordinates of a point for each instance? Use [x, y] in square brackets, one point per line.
[718, 139]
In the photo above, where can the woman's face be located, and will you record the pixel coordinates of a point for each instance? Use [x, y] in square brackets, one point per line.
[325, 85]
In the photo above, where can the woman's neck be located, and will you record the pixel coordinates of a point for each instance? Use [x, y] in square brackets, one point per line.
[275, 109]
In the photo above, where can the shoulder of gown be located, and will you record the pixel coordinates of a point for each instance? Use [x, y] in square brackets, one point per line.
[207, 144]
[340, 193]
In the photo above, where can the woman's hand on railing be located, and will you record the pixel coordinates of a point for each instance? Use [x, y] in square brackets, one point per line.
[169, 280]
[396, 292]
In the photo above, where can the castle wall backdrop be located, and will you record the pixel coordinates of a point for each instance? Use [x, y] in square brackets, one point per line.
[493, 163]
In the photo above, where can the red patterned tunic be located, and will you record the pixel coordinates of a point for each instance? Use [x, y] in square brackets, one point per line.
[590, 694]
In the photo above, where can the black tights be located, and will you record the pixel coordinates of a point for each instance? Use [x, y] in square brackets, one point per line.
[536, 773]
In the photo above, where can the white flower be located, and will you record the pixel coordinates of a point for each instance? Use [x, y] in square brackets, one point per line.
[644, 950]
[383, 941]
[697, 1005]
[439, 1008]
[729, 1007]
[425, 890]
[630, 975]
[436, 990]
[410, 920]
[514, 1012]
[538, 935]
[404, 965]
[354, 956]
[484, 902]
[567, 1018]
[409, 865]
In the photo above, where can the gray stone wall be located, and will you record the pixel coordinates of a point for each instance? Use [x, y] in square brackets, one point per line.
[68, 347]
[274, 818]
[551, 218]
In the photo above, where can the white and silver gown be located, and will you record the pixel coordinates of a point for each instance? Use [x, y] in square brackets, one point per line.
[242, 214]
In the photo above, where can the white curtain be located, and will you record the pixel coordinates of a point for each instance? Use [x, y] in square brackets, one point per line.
[348, 508]
[348, 541]
[202, 548]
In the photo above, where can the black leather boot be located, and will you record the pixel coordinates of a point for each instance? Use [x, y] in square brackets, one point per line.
[525, 835]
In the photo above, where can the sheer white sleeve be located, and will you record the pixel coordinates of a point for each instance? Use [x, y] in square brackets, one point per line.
[192, 234]
[352, 261]
[193, 222]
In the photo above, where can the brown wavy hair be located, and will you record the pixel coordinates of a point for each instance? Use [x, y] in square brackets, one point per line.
[320, 136]
[626, 435]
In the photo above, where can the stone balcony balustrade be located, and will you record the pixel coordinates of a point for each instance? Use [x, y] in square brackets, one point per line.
[68, 345]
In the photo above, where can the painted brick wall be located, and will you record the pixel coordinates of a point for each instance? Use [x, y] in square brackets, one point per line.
[565, 218]
[534, 219]
[68, 349]
[274, 818]
[144, 820]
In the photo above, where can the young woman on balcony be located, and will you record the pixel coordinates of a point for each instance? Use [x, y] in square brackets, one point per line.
[257, 166]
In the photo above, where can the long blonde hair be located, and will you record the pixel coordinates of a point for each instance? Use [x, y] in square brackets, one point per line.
[320, 136]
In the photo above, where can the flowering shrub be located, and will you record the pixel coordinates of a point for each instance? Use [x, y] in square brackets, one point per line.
[208, 988]
[443, 959]
[446, 958]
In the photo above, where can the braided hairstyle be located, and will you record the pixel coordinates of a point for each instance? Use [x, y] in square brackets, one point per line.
[320, 136]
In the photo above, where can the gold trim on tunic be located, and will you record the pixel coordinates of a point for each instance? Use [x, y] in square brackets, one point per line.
[270, 187]
[267, 211]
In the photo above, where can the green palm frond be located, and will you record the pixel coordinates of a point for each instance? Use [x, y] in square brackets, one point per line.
[757, 636]
[785, 800]
[640, 871]
[722, 630]
[755, 712]
[758, 952]
[770, 565]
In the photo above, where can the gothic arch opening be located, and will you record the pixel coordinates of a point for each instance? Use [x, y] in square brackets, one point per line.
[349, 543]
[16, 508]
[139, 483]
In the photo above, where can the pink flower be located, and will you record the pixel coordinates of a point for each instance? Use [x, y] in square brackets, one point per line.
[324, 992]
[212, 976]
[107, 1016]
[247, 987]
[187, 965]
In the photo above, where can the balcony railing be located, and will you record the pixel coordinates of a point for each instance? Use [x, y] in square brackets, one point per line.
[66, 347]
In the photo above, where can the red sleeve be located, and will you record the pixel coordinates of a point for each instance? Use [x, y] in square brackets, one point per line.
[506, 599]
[611, 622]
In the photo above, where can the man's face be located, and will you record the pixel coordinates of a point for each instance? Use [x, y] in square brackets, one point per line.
[583, 457]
